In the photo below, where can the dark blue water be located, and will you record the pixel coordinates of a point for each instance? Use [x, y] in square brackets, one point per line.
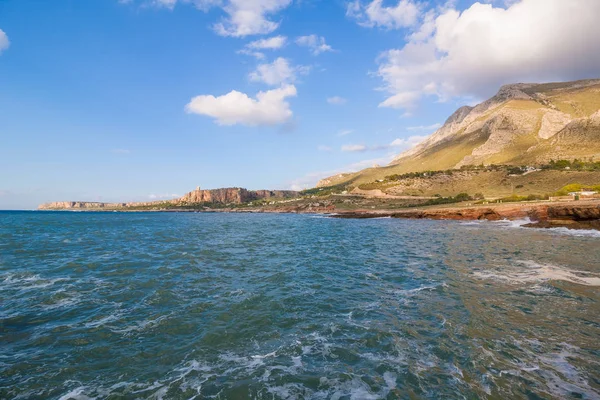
[229, 306]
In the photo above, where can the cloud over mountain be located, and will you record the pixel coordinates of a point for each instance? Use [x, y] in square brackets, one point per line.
[473, 52]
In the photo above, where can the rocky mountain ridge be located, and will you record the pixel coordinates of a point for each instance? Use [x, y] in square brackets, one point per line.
[523, 124]
[532, 108]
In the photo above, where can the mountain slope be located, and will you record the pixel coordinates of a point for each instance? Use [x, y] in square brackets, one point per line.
[522, 124]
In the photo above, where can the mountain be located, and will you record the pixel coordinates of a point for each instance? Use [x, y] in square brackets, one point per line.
[523, 124]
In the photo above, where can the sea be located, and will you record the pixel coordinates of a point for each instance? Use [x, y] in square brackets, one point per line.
[110, 305]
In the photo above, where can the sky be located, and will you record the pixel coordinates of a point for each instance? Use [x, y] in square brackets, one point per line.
[139, 100]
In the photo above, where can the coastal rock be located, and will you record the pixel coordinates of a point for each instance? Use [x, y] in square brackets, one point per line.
[574, 213]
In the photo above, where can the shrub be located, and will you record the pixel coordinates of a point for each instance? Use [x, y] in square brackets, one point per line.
[565, 190]
[517, 170]
[445, 200]
[515, 198]
[462, 197]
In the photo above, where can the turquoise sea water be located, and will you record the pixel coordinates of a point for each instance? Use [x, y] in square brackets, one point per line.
[230, 306]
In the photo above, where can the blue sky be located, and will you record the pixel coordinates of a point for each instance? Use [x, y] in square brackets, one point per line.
[108, 100]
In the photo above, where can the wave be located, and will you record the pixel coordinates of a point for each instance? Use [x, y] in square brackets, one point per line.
[102, 321]
[64, 302]
[76, 394]
[141, 326]
[573, 232]
[532, 272]
[28, 282]
[520, 224]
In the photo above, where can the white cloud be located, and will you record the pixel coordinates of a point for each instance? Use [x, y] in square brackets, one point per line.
[472, 53]
[345, 132]
[316, 44]
[354, 147]
[254, 48]
[170, 4]
[431, 127]
[244, 17]
[323, 148]
[310, 180]
[204, 5]
[272, 43]
[278, 72]
[257, 54]
[337, 100]
[404, 14]
[401, 100]
[4, 42]
[269, 108]
[408, 143]
[396, 145]
[250, 17]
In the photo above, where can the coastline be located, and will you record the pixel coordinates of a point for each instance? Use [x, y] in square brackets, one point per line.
[583, 214]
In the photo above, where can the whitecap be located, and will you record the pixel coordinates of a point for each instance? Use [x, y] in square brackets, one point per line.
[140, 326]
[76, 394]
[63, 303]
[371, 275]
[519, 223]
[272, 354]
[102, 321]
[573, 232]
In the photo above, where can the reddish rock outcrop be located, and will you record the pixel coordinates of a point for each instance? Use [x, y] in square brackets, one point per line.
[583, 216]
[574, 213]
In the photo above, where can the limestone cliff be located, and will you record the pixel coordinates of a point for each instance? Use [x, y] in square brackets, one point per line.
[232, 196]
[198, 196]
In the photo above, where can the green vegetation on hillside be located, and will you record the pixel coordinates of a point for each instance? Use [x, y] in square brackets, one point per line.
[577, 165]
[576, 187]
[326, 190]
[427, 174]
[459, 198]
[516, 198]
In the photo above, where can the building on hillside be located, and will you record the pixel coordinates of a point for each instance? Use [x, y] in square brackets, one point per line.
[583, 193]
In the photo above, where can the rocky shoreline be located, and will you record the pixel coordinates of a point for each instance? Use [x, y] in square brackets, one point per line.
[579, 216]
